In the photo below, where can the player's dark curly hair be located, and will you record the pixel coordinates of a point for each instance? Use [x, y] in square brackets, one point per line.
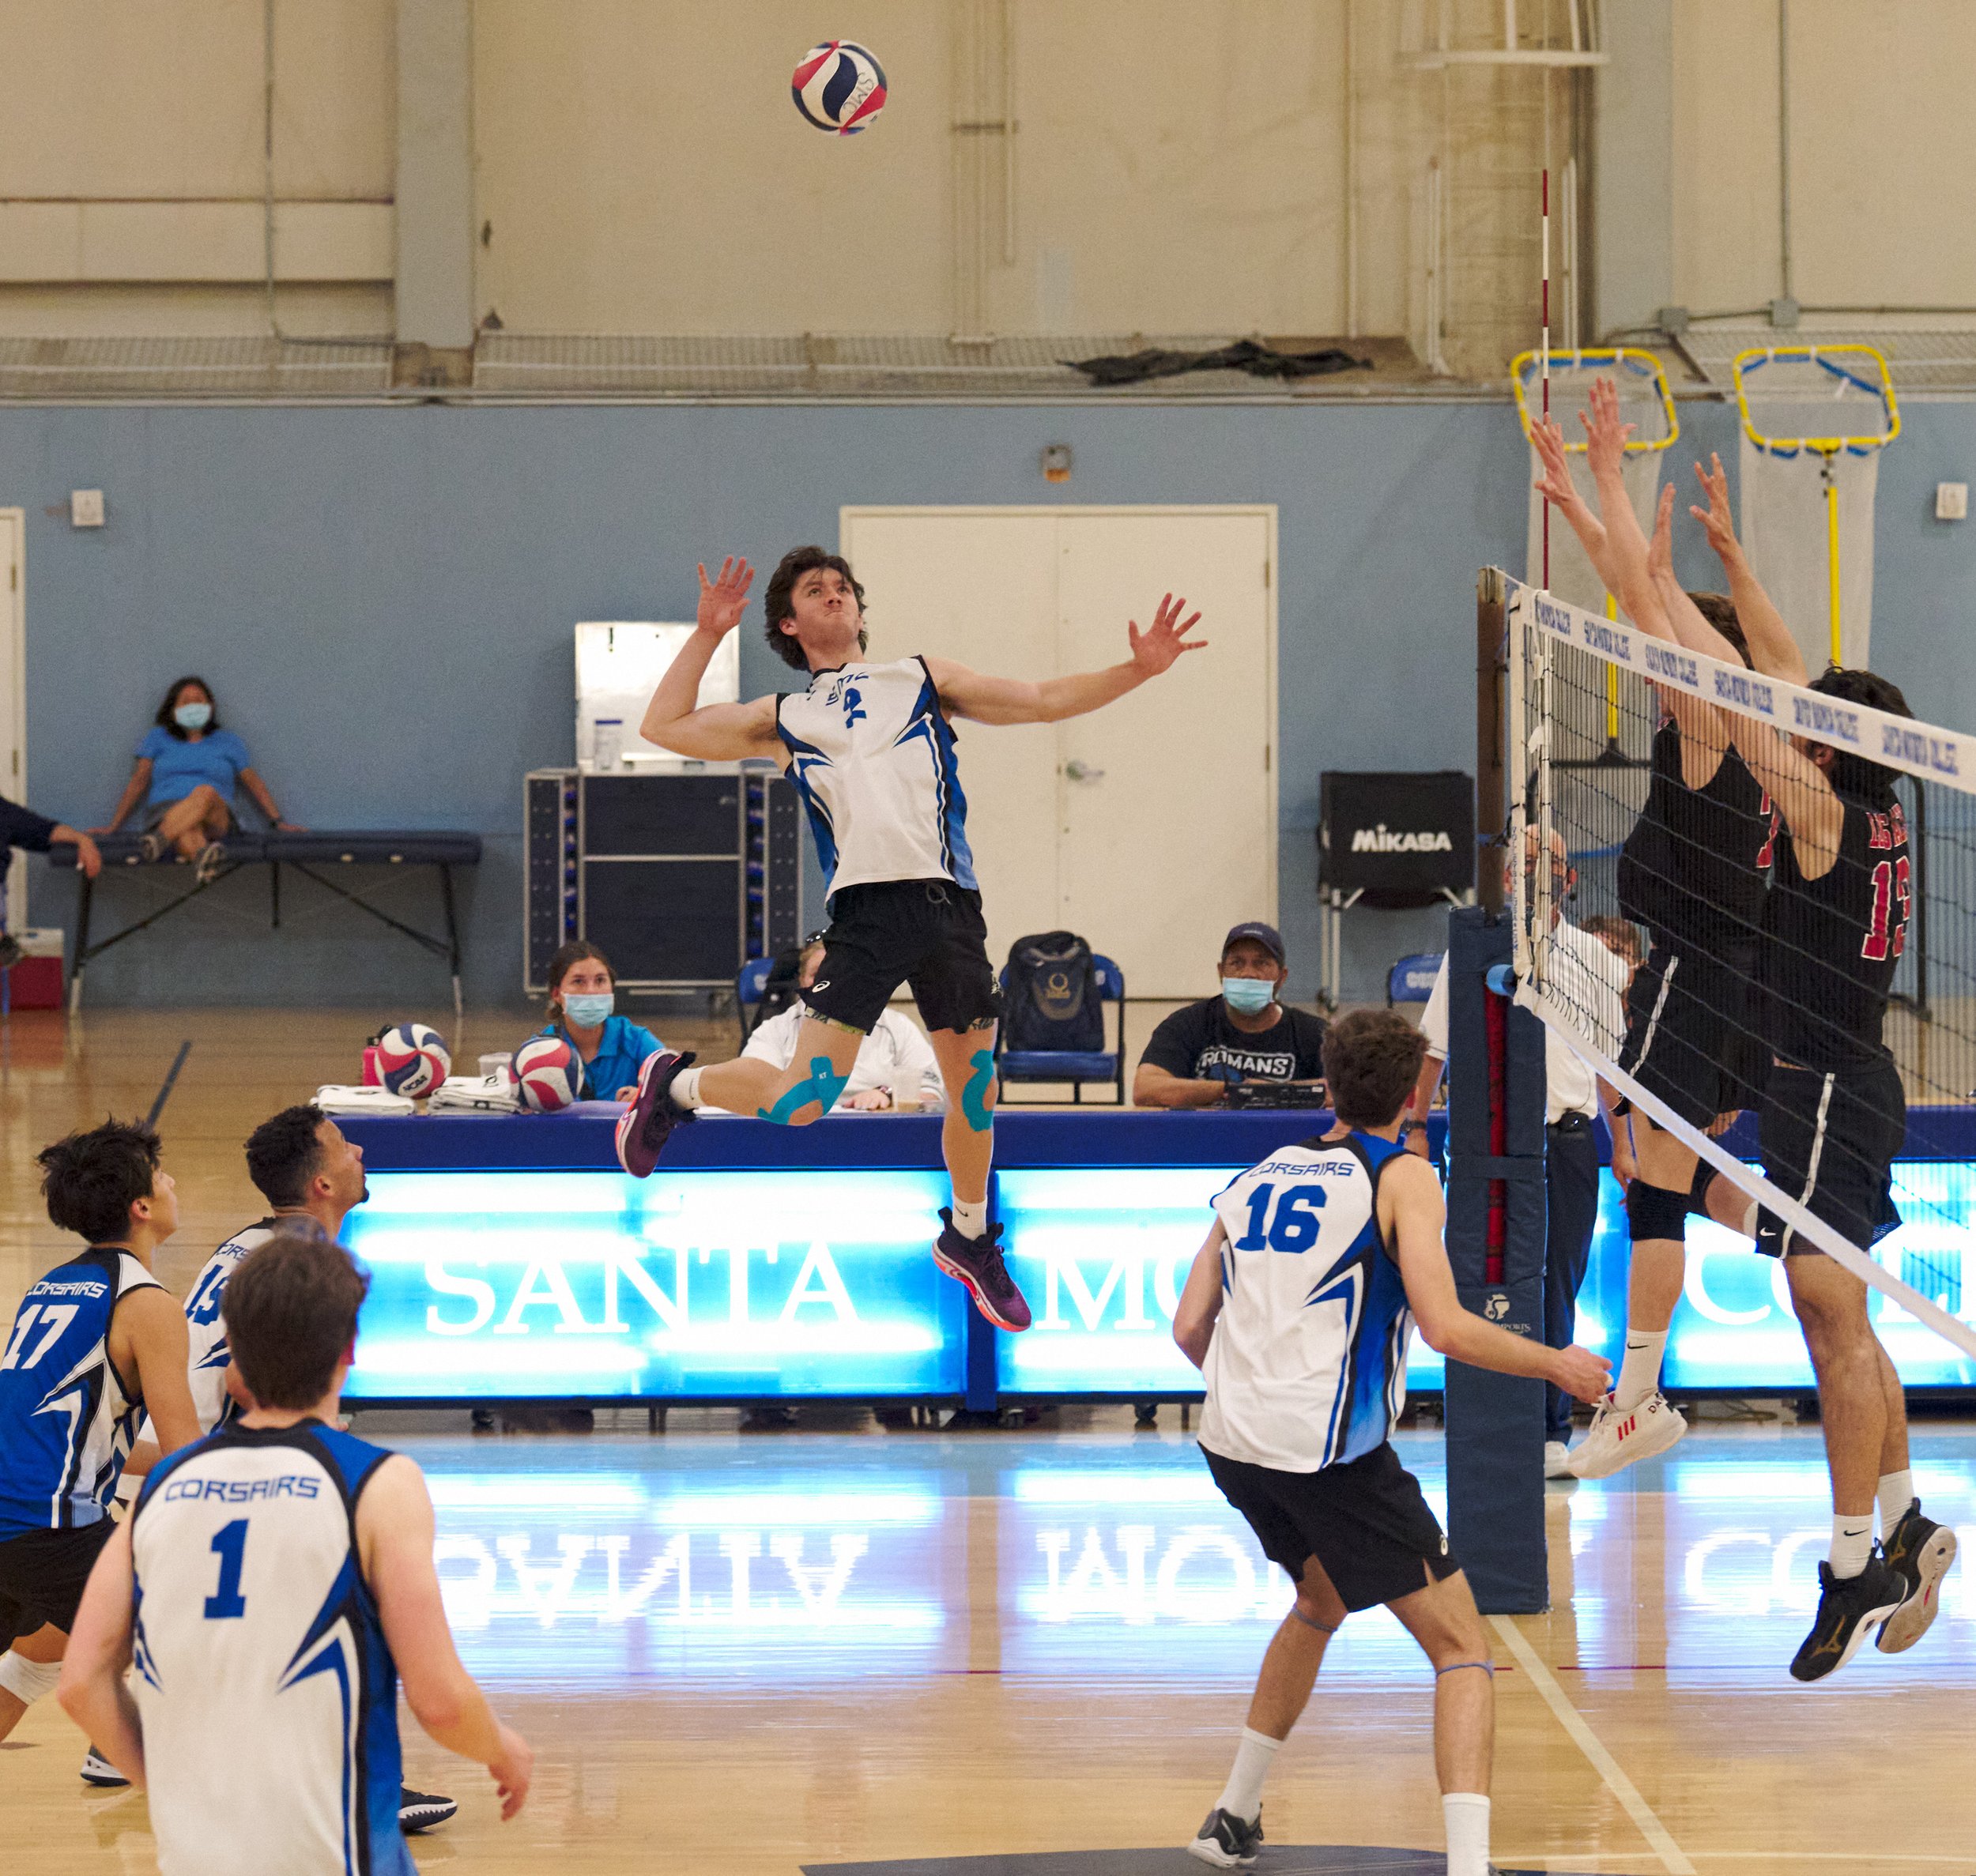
[1371, 1061]
[1719, 610]
[776, 601]
[92, 1180]
[284, 1153]
[291, 1312]
[1854, 775]
[169, 723]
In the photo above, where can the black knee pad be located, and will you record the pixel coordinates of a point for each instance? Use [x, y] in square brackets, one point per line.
[1653, 1211]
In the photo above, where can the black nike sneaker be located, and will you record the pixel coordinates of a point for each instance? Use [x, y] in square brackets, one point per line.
[1227, 1842]
[1850, 1608]
[420, 1810]
[1920, 1551]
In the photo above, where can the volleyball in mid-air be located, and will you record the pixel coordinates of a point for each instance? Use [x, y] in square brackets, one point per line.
[413, 1060]
[839, 87]
[547, 1074]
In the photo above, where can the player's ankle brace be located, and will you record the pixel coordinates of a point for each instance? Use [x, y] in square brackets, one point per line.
[27, 1681]
[1488, 1667]
[1653, 1211]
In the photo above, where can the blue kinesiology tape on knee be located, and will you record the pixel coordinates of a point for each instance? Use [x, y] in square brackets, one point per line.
[823, 1086]
[974, 1097]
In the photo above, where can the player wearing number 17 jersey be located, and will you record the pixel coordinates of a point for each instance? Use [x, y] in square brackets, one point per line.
[273, 1584]
[1298, 1310]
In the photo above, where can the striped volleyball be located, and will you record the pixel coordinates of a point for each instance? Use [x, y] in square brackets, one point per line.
[839, 87]
[413, 1060]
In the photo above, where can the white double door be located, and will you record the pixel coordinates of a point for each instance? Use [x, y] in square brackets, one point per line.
[1148, 827]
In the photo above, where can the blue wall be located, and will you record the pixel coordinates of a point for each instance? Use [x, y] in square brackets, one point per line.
[383, 598]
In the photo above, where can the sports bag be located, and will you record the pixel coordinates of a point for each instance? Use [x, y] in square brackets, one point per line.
[1053, 996]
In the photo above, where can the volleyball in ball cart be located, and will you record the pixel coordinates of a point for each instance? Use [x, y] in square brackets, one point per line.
[413, 1060]
[547, 1074]
[839, 87]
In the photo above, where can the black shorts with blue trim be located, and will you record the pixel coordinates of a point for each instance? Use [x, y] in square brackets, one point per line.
[1828, 1139]
[1364, 1519]
[927, 934]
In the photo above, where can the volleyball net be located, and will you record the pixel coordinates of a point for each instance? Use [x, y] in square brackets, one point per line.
[1587, 696]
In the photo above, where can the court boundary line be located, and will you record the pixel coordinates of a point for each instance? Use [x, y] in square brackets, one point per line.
[171, 1081]
[1673, 1857]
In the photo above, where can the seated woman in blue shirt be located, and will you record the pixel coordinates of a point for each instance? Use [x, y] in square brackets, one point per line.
[582, 988]
[186, 771]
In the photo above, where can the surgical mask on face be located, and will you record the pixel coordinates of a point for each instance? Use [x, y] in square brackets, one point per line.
[586, 1011]
[1248, 996]
[193, 716]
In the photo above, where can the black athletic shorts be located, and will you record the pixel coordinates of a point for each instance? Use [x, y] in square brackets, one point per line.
[926, 933]
[1364, 1520]
[1691, 1036]
[1828, 1140]
[42, 1575]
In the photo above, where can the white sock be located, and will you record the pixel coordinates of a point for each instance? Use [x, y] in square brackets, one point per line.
[1896, 1494]
[1639, 1368]
[1852, 1544]
[970, 1220]
[684, 1092]
[1466, 1816]
[1241, 1797]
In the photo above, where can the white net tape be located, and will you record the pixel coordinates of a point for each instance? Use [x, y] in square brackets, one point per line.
[1579, 783]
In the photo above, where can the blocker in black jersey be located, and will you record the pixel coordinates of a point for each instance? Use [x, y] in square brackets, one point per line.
[1834, 1113]
[1692, 871]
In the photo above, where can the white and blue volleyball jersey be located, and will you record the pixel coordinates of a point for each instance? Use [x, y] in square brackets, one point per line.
[67, 1417]
[268, 1693]
[872, 754]
[206, 1331]
[1307, 1366]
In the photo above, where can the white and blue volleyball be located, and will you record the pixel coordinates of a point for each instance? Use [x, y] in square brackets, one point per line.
[413, 1060]
[839, 87]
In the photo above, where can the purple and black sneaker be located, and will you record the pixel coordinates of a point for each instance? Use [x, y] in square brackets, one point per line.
[977, 1262]
[644, 1126]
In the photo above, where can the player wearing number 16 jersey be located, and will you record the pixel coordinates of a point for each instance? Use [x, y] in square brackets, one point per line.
[1298, 1311]
[273, 1584]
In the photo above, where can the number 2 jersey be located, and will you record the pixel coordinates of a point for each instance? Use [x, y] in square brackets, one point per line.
[1307, 1366]
[67, 1417]
[268, 1693]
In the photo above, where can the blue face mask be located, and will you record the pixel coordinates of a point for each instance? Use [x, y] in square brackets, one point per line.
[1248, 996]
[193, 716]
[588, 1012]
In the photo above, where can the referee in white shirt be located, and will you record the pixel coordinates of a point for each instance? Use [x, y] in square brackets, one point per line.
[1586, 974]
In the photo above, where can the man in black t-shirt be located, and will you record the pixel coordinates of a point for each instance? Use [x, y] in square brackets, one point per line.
[1243, 1035]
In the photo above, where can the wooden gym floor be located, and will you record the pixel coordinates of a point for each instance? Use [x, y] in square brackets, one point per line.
[759, 1652]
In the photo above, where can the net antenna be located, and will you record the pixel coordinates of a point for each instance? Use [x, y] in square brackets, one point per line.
[1815, 420]
[1560, 657]
[1645, 402]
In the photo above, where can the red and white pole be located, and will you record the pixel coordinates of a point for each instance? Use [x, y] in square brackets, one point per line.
[1546, 355]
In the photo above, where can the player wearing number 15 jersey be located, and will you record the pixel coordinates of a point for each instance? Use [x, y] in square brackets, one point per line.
[273, 1584]
[1298, 1311]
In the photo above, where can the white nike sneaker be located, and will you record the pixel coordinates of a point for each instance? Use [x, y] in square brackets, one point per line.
[1557, 1459]
[1620, 1436]
[97, 1770]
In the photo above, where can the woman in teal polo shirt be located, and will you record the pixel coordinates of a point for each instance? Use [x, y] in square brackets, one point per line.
[582, 988]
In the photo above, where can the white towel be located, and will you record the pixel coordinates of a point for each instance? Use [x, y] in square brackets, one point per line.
[344, 1098]
[475, 1094]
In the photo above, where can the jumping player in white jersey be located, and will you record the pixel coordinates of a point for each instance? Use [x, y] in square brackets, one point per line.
[273, 1583]
[1298, 1311]
[312, 1178]
[94, 1342]
[870, 748]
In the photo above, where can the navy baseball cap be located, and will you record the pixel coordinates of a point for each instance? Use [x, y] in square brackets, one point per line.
[1268, 936]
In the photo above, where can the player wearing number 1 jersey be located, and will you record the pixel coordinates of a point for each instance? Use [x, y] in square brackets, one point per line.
[1298, 1311]
[273, 1584]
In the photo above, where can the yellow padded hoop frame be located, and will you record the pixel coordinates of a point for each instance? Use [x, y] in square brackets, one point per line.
[1525, 367]
[1833, 359]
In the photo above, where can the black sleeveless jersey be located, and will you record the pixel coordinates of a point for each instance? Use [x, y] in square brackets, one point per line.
[1691, 871]
[1830, 945]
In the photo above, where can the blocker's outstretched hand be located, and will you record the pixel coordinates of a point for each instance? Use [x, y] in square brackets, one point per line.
[1605, 435]
[1555, 484]
[722, 600]
[1718, 519]
[1157, 648]
[1660, 550]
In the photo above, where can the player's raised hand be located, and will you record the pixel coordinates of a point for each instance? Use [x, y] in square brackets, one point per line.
[1660, 550]
[723, 600]
[1582, 1374]
[1555, 484]
[1156, 648]
[1606, 436]
[512, 1771]
[1717, 520]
